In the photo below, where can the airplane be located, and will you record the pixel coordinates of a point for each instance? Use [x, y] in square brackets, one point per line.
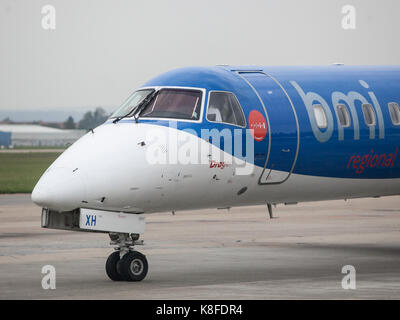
[226, 136]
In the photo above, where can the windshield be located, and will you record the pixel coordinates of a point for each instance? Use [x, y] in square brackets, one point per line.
[128, 106]
[174, 103]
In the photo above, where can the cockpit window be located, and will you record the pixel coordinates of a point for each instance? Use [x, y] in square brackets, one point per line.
[224, 107]
[130, 104]
[175, 104]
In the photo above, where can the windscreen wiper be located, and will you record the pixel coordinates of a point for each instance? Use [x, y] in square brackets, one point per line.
[118, 119]
[141, 105]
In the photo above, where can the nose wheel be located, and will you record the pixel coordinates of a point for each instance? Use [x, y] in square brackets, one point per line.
[126, 264]
[111, 266]
[132, 266]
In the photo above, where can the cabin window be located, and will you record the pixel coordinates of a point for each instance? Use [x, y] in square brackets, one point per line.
[320, 116]
[369, 114]
[174, 104]
[343, 115]
[394, 111]
[224, 107]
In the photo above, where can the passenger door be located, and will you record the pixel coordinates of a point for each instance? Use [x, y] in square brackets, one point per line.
[283, 131]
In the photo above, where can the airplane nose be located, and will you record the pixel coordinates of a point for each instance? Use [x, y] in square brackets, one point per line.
[61, 189]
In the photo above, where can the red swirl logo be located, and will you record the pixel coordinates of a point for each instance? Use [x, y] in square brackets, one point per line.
[258, 124]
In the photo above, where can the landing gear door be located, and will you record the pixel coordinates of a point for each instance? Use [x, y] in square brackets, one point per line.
[283, 132]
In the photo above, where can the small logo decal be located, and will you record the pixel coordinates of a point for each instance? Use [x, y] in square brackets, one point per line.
[258, 124]
[215, 164]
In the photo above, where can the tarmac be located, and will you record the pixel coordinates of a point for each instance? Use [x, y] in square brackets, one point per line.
[214, 254]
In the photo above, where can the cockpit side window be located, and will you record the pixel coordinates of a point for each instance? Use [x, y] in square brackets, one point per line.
[175, 104]
[224, 107]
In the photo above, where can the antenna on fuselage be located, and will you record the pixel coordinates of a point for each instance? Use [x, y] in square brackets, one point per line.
[270, 210]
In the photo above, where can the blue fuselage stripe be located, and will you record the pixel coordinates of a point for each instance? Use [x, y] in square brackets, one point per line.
[356, 151]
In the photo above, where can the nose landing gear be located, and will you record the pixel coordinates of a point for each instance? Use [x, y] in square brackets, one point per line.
[126, 264]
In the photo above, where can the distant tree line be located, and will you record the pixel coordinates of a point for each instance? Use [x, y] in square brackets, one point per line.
[90, 120]
[69, 123]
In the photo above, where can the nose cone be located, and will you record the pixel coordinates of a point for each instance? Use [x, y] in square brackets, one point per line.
[61, 189]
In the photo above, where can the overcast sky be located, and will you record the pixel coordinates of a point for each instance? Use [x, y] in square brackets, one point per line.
[101, 50]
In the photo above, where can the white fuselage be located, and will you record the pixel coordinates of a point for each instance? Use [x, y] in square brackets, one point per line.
[111, 169]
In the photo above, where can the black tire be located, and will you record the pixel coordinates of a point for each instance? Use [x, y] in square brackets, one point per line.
[133, 266]
[111, 266]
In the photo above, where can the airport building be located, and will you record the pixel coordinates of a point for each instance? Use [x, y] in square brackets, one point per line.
[14, 135]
